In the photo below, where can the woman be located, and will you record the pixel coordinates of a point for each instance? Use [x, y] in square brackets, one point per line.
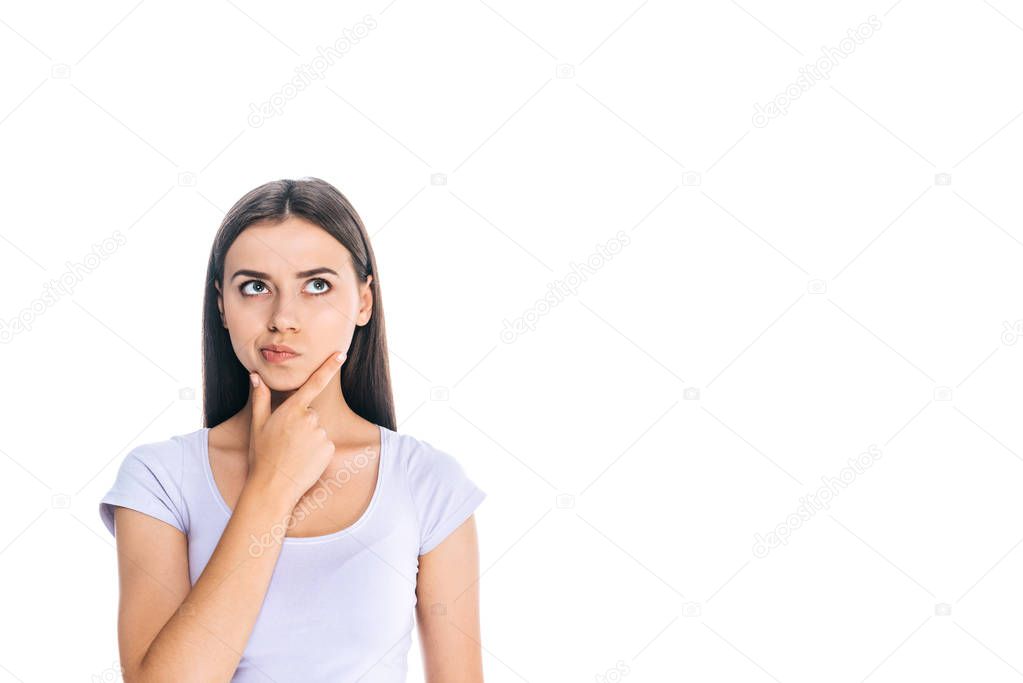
[296, 534]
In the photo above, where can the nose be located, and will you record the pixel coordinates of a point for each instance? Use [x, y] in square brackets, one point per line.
[283, 318]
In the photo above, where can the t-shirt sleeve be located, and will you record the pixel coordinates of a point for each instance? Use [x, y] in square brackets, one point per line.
[443, 494]
[146, 482]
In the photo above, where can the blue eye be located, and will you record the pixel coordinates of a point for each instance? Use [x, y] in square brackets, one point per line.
[250, 282]
[260, 284]
[322, 291]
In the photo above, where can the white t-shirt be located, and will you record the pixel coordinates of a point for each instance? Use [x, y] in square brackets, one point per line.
[339, 607]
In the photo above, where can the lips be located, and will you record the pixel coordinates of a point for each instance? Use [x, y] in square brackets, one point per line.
[278, 348]
[277, 353]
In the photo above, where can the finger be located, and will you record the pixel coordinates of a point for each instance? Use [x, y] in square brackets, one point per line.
[318, 380]
[260, 397]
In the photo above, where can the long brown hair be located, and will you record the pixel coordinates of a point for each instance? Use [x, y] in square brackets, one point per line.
[365, 376]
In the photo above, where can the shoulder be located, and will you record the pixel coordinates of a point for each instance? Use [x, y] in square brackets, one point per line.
[165, 459]
[150, 479]
[159, 452]
[441, 490]
[429, 467]
[420, 457]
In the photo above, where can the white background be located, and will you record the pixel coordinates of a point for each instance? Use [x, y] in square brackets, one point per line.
[791, 296]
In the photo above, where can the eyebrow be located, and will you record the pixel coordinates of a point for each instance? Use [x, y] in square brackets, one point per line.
[300, 274]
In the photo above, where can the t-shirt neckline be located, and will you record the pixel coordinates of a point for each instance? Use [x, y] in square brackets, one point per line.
[204, 439]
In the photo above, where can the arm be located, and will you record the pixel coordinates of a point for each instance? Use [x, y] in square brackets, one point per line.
[447, 608]
[169, 630]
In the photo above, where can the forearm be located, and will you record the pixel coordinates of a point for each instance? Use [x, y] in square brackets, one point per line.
[205, 638]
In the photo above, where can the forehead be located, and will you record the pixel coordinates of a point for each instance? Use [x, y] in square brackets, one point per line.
[284, 248]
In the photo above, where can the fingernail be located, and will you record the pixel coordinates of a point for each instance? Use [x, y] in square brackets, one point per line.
[255, 379]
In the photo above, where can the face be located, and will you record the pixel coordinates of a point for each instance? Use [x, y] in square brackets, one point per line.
[272, 296]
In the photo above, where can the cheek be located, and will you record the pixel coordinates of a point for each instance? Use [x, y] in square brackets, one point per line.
[237, 315]
[243, 324]
[330, 322]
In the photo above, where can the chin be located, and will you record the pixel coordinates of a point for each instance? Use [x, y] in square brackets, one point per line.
[281, 386]
[283, 377]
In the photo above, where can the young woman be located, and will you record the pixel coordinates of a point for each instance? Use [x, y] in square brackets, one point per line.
[296, 536]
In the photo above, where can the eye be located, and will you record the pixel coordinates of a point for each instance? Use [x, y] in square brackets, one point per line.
[261, 287]
[325, 283]
[257, 283]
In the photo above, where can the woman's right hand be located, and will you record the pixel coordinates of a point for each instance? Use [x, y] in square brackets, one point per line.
[288, 449]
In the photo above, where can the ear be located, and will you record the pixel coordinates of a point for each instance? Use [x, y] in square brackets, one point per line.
[365, 301]
[220, 303]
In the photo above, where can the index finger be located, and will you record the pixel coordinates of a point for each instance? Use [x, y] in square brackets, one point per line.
[318, 381]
